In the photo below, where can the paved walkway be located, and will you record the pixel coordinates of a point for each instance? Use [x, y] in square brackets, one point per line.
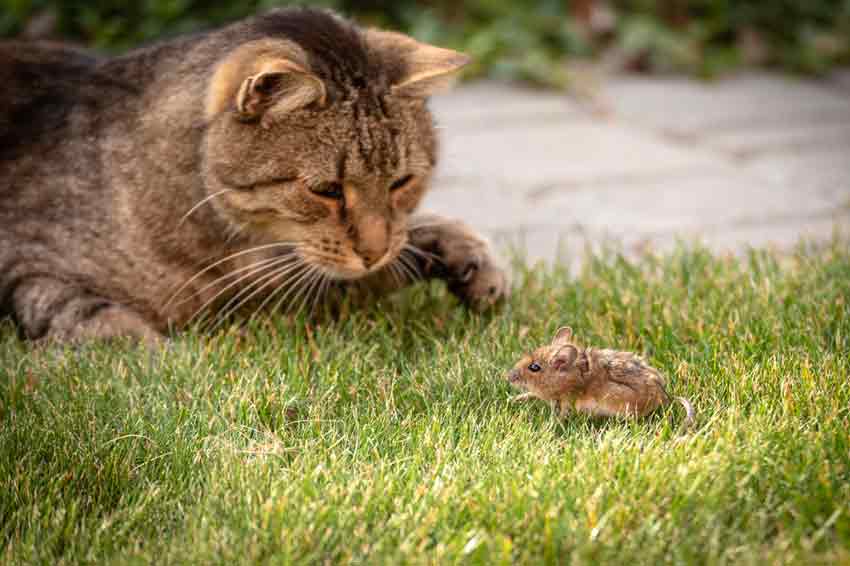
[754, 160]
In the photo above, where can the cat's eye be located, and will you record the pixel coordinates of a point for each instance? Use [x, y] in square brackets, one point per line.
[329, 190]
[401, 182]
[534, 366]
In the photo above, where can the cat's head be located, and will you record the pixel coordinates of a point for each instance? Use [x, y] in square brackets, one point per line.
[319, 135]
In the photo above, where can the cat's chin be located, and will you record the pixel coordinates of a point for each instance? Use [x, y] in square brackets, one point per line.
[350, 272]
[347, 274]
[338, 274]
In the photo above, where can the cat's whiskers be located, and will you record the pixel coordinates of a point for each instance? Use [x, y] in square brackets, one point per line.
[223, 260]
[324, 282]
[200, 203]
[221, 292]
[255, 267]
[303, 287]
[235, 230]
[397, 268]
[252, 290]
[233, 284]
[300, 287]
[295, 285]
[393, 270]
[310, 286]
[430, 223]
[317, 291]
[410, 262]
[289, 284]
[405, 275]
[294, 274]
[417, 251]
[404, 269]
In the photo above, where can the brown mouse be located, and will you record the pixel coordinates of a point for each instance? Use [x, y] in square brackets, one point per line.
[597, 382]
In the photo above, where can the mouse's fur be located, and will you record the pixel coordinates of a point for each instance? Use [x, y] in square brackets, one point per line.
[599, 382]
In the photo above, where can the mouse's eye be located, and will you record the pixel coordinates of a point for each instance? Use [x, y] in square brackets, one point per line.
[534, 366]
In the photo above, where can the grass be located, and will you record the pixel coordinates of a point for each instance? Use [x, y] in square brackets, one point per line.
[387, 436]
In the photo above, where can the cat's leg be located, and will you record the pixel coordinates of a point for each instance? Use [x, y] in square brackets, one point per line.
[48, 309]
[448, 249]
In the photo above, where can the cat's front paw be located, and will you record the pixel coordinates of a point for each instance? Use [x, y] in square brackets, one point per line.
[464, 260]
[477, 278]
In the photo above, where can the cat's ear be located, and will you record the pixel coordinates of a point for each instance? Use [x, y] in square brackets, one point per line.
[424, 69]
[279, 87]
[563, 336]
[262, 80]
[564, 358]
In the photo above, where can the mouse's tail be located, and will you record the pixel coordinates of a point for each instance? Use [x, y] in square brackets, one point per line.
[689, 411]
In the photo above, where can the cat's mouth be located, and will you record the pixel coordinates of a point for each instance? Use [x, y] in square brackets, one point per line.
[344, 268]
[349, 267]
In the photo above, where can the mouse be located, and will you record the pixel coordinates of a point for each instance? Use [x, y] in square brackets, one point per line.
[598, 382]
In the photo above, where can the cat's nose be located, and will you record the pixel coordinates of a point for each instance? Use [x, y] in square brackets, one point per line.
[369, 260]
[373, 240]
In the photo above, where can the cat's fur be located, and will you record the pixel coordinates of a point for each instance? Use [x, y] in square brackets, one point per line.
[133, 188]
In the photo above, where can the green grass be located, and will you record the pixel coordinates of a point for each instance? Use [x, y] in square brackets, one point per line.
[387, 436]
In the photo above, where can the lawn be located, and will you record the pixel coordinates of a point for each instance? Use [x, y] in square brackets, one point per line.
[386, 436]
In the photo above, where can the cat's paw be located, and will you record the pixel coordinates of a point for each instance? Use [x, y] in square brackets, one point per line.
[464, 260]
[477, 278]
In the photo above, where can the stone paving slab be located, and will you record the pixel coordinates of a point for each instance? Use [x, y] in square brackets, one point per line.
[756, 160]
[841, 79]
[702, 202]
[480, 104]
[782, 234]
[534, 245]
[824, 171]
[571, 246]
[565, 151]
[688, 107]
[487, 206]
[782, 137]
[664, 204]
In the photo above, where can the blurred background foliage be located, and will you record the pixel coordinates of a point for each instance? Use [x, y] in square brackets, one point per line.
[511, 39]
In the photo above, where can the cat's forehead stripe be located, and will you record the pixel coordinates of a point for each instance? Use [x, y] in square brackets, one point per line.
[341, 162]
[376, 141]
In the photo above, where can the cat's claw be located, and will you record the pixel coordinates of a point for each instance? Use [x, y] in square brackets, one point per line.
[481, 283]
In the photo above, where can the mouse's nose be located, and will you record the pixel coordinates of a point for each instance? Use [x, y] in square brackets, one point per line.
[513, 375]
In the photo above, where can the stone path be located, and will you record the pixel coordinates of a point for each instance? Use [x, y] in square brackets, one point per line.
[754, 160]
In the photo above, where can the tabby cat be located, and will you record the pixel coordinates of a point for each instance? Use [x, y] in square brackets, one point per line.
[262, 163]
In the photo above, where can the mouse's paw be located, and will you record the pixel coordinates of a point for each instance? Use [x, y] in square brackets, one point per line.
[452, 251]
[521, 398]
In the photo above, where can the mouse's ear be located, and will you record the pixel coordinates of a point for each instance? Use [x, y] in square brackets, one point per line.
[563, 336]
[564, 358]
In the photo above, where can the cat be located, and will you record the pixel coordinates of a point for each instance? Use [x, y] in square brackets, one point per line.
[261, 163]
